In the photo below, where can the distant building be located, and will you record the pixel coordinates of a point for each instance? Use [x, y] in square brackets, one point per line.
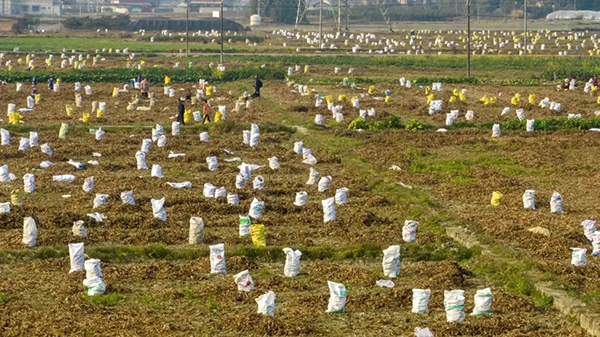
[204, 6]
[30, 7]
[135, 6]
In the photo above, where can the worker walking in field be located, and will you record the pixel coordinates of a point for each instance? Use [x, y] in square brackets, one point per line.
[144, 87]
[257, 86]
[181, 111]
[206, 112]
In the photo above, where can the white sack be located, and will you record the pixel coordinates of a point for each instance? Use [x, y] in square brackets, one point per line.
[578, 257]
[79, 229]
[29, 232]
[529, 199]
[292, 262]
[409, 230]
[24, 144]
[258, 183]
[100, 200]
[420, 301]
[158, 209]
[244, 281]
[273, 163]
[266, 304]
[454, 303]
[391, 261]
[341, 196]
[256, 209]
[140, 158]
[328, 209]
[337, 298]
[556, 203]
[233, 199]
[212, 162]
[196, 230]
[301, 198]
[33, 139]
[156, 171]
[244, 227]
[76, 257]
[88, 184]
[29, 183]
[217, 259]
[483, 302]
[4, 137]
[93, 268]
[324, 183]
[209, 190]
[127, 197]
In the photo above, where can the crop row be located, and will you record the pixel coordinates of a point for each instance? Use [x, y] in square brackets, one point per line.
[155, 75]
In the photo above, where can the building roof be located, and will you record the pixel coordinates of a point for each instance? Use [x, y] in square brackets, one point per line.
[132, 2]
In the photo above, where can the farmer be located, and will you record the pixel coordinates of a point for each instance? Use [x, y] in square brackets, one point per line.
[51, 84]
[257, 85]
[181, 111]
[188, 95]
[34, 81]
[206, 112]
[144, 87]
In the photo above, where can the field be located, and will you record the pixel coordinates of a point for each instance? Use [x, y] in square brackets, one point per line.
[159, 285]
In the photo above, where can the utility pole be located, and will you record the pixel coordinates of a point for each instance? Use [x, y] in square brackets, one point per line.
[468, 38]
[525, 24]
[339, 15]
[187, 33]
[222, 32]
[347, 10]
[321, 24]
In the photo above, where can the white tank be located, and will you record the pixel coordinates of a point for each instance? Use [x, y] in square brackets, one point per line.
[255, 20]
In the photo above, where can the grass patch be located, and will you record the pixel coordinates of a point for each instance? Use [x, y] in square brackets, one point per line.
[513, 278]
[4, 298]
[106, 300]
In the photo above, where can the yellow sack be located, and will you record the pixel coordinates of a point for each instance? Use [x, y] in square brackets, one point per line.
[532, 99]
[58, 81]
[429, 98]
[342, 98]
[208, 90]
[20, 61]
[594, 89]
[16, 198]
[14, 118]
[329, 99]
[462, 96]
[306, 68]
[257, 233]
[496, 197]
[86, 117]
[115, 92]
[167, 80]
[452, 99]
[27, 59]
[32, 67]
[69, 109]
[218, 116]
[99, 113]
[598, 101]
[143, 63]
[493, 100]
[484, 99]
[194, 100]
[187, 116]
[455, 92]
[371, 89]
[427, 90]
[110, 50]
[10, 68]
[75, 64]
[38, 98]
[514, 101]
[388, 99]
